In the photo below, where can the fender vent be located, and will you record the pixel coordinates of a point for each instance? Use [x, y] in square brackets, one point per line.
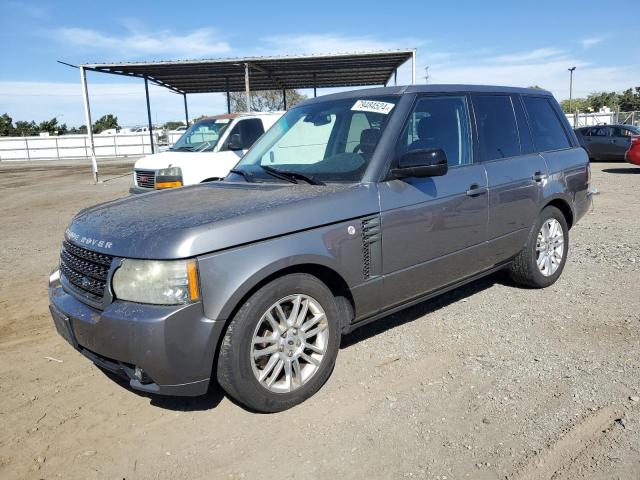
[370, 247]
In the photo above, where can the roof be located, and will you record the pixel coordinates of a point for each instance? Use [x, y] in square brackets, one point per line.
[430, 88]
[266, 73]
[231, 116]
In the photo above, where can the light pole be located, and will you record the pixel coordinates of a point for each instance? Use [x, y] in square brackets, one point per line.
[571, 88]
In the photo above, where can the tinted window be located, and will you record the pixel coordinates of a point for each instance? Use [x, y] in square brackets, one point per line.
[439, 122]
[497, 129]
[249, 130]
[548, 133]
[526, 142]
[600, 132]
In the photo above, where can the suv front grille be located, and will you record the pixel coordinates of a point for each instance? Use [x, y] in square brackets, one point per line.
[146, 178]
[85, 270]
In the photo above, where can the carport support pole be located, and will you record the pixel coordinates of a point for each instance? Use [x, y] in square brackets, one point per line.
[284, 98]
[413, 67]
[395, 77]
[228, 97]
[186, 110]
[314, 85]
[146, 93]
[87, 119]
[246, 86]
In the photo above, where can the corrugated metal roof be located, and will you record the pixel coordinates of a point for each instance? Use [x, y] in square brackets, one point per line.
[266, 73]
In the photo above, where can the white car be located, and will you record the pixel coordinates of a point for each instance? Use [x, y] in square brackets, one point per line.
[206, 151]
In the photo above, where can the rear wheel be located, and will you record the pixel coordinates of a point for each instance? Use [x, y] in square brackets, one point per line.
[541, 261]
[281, 346]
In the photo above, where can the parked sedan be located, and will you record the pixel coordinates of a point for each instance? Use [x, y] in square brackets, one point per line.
[607, 142]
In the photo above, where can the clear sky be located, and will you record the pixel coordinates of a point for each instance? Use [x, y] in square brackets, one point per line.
[485, 42]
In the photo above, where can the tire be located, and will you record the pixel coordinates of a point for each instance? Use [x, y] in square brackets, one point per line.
[524, 270]
[239, 372]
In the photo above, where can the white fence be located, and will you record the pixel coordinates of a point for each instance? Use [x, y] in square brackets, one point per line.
[74, 146]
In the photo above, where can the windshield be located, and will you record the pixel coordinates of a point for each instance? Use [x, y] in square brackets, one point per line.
[201, 136]
[332, 141]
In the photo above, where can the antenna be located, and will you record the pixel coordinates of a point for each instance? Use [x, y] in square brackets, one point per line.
[426, 74]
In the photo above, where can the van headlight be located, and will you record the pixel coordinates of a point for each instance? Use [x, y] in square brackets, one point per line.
[160, 282]
[170, 177]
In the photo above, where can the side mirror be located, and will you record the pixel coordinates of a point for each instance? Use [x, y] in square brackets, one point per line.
[422, 163]
[234, 142]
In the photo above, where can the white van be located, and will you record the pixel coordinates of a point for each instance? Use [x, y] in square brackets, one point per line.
[207, 151]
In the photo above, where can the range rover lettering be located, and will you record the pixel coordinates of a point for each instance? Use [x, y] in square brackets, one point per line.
[351, 207]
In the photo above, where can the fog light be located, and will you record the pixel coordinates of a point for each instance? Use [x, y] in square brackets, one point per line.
[139, 374]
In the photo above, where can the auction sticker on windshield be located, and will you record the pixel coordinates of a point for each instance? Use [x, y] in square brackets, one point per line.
[372, 106]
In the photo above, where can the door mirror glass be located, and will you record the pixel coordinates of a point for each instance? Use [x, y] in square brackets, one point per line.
[422, 163]
[235, 142]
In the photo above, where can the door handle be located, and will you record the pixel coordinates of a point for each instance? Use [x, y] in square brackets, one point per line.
[475, 190]
[538, 176]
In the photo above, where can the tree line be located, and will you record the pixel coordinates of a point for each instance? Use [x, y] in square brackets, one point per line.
[22, 128]
[627, 101]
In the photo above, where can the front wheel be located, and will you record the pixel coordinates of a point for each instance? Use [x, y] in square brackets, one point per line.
[281, 346]
[541, 261]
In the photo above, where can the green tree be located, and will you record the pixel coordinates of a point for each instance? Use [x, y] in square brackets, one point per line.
[105, 123]
[264, 101]
[52, 127]
[6, 125]
[173, 125]
[26, 129]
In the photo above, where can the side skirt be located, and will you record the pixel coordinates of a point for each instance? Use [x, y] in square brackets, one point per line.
[350, 328]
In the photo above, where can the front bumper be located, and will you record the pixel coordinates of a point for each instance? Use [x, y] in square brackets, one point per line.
[173, 345]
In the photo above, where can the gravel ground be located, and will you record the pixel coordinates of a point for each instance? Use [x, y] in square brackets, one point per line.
[488, 381]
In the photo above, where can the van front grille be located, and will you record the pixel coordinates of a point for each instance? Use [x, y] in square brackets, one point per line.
[146, 178]
[85, 270]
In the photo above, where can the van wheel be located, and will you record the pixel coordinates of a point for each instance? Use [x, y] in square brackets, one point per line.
[281, 345]
[542, 260]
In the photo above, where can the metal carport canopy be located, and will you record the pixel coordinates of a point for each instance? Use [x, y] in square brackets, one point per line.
[251, 73]
[266, 73]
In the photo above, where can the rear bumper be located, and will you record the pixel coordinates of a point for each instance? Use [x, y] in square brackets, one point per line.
[173, 345]
[582, 205]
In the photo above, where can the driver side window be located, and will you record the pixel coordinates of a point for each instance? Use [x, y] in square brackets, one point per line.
[439, 123]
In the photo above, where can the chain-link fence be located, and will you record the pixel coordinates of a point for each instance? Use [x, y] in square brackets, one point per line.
[584, 119]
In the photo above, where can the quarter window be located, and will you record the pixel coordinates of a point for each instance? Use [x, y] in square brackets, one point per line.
[548, 133]
[439, 122]
[497, 129]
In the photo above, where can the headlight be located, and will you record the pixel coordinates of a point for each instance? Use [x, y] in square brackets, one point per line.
[169, 178]
[171, 282]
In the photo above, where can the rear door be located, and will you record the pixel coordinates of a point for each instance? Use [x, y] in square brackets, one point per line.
[516, 173]
[434, 228]
[620, 142]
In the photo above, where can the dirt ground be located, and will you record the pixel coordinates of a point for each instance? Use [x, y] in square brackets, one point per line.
[489, 381]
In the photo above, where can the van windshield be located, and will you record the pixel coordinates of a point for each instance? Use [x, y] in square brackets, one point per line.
[331, 141]
[201, 136]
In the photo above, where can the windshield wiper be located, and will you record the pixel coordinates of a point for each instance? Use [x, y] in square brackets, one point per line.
[246, 175]
[188, 149]
[291, 177]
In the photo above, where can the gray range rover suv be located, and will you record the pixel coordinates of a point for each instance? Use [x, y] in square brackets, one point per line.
[351, 207]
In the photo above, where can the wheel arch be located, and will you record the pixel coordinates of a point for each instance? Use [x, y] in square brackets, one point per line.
[564, 206]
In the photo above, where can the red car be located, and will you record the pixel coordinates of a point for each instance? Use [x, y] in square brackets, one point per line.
[633, 154]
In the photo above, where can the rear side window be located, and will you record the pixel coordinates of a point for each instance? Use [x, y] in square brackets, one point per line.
[548, 133]
[497, 127]
[526, 142]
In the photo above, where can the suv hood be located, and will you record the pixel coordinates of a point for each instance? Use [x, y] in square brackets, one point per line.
[190, 221]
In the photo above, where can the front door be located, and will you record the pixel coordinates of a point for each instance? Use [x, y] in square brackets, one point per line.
[434, 228]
